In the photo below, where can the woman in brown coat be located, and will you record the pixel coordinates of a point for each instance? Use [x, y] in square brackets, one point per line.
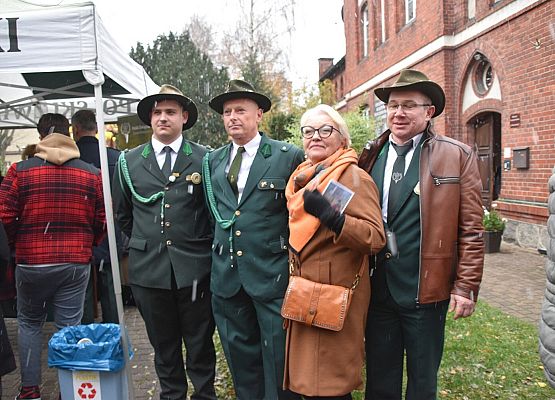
[329, 245]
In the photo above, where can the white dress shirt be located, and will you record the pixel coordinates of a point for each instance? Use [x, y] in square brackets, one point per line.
[391, 157]
[160, 154]
[248, 157]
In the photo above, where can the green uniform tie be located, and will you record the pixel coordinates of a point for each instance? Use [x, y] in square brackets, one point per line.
[397, 175]
[167, 167]
[233, 174]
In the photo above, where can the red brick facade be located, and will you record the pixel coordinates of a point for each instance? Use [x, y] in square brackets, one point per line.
[515, 38]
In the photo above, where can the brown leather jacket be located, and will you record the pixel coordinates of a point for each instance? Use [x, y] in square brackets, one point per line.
[451, 243]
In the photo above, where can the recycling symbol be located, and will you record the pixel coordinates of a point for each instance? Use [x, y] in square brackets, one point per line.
[87, 391]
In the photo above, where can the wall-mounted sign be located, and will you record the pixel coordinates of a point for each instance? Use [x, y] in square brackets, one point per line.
[514, 120]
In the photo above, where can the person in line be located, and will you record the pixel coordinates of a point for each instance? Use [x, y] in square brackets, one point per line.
[249, 259]
[432, 211]
[53, 210]
[84, 130]
[330, 246]
[159, 204]
[7, 359]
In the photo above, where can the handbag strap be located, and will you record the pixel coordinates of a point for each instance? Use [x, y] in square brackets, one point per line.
[294, 258]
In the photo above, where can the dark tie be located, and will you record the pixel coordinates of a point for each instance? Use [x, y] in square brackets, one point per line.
[397, 175]
[233, 173]
[167, 167]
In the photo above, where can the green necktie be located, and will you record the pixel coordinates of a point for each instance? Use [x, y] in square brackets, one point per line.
[233, 173]
[167, 167]
[397, 175]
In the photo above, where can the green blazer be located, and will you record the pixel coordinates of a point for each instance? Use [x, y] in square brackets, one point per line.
[181, 240]
[400, 274]
[260, 233]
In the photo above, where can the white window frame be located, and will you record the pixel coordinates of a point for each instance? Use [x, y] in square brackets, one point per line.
[410, 9]
[471, 8]
[365, 25]
[383, 20]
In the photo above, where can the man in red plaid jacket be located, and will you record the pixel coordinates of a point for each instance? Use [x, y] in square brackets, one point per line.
[53, 210]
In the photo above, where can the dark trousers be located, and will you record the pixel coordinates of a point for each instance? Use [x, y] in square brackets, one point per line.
[393, 331]
[106, 294]
[7, 359]
[173, 317]
[253, 340]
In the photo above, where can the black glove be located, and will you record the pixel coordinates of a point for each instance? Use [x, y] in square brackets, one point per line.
[317, 205]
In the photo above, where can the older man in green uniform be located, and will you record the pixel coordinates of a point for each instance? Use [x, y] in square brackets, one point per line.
[432, 211]
[249, 259]
[160, 205]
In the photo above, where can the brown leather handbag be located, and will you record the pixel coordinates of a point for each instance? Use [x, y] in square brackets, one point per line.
[317, 304]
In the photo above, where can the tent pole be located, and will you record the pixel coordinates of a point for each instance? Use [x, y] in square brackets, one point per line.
[112, 235]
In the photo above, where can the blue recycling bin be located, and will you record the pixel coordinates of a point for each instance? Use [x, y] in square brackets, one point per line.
[90, 362]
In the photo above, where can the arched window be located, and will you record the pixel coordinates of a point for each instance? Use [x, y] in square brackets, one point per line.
[364, 29]
[482, 75]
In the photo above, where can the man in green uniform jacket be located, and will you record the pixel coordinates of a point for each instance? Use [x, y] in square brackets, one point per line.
[249, 259]
[159, 203]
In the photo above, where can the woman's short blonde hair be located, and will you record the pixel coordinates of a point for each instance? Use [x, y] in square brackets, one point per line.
[334, 116]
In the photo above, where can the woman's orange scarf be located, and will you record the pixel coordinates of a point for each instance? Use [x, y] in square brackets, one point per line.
[302, 226]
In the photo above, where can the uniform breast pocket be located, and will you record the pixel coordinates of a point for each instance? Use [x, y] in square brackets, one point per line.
[272, 187]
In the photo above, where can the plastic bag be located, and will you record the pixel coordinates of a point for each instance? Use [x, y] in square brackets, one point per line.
[101, 352]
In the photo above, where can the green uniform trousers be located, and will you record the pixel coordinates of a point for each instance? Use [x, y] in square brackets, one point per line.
[173, 317]
[392, 331]
[253, 340]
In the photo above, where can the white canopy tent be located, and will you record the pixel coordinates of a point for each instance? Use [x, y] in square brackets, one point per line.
[53, 57]
[60, 59]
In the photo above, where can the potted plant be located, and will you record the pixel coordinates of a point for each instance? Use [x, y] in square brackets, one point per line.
[494, 226]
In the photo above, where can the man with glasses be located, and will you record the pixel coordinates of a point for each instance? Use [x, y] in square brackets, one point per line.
[246, 194]
[431, 206]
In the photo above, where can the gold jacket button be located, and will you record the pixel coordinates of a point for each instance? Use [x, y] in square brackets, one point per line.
[167, 205]
[237, 233]
[239, 253]
[168, 242]
[237, 212]
[388, 255]
[168, 223]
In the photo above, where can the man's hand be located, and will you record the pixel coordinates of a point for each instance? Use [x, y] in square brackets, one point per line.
[462, 306]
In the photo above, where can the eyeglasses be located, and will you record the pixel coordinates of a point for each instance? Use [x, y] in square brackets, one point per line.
[393, 106]
[324, 131]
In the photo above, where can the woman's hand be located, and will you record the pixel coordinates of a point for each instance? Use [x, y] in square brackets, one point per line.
[317, 205]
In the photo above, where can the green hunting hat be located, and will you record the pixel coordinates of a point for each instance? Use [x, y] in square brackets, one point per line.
[238, 89]
[168, 92]
[411, 79]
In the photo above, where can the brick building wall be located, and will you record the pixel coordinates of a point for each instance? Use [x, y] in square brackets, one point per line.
[516, 37]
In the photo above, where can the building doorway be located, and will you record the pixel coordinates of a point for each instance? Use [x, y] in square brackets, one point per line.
[487, 133]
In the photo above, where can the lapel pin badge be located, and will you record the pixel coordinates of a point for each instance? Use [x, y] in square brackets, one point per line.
[196, 178]
[417, 188]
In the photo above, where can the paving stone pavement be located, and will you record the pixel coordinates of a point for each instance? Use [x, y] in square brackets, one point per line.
[514, 281]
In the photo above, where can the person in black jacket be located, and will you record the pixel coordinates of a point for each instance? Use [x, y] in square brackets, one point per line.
[84, 131]
[7, 360]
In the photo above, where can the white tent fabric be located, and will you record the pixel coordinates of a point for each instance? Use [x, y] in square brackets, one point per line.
[60, 59]
[46, 57]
